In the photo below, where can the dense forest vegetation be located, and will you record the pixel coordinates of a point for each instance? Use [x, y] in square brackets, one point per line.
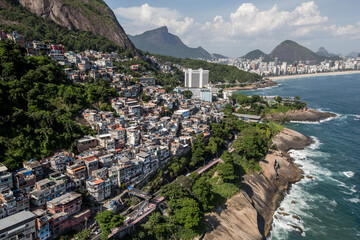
[218, 72]
[167, 80]
[37, 28]
[190, 197]
[38, 106]
[258, 106]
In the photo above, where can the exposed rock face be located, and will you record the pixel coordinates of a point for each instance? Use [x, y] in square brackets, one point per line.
[306, 115]
[248, 214]
[88, 15]
[238, 219]
[289, 139]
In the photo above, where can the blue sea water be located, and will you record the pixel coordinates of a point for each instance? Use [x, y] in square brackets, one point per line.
[329, 204]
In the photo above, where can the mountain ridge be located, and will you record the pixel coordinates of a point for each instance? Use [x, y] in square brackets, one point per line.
[290, 52]
[87, 15]
[161, 41]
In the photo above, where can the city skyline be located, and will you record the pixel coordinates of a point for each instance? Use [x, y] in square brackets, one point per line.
[234, 29]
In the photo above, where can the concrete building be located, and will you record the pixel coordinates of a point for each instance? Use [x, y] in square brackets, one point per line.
[5, 177]
[12, 202]
[70, 203]
[42, 224]
[18, 226]
[133, 137]
[45, 190]
[196, 78]
[184, 113]
[24, 180]
[106, 141]
[59, 161]
[99, 189]
[65, 212]
[206, 95]
[85, 143]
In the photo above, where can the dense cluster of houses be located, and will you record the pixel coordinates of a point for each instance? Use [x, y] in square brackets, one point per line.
[131, 143]
[42, 199]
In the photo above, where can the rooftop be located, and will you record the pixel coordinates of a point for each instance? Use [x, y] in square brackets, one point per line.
[64, 199]
[15, 219]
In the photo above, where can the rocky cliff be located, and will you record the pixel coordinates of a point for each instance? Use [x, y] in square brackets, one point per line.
[248, 214]
[88, 15]
[303, 115]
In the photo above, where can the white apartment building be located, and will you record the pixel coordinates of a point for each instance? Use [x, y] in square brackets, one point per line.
[196, 78]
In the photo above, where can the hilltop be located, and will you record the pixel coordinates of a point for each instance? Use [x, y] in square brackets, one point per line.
[256, 54]
[323, 52]
[160, 41]
[79, 24]
[290, 51]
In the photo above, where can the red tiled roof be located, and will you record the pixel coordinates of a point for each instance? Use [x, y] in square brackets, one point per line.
[99, 181]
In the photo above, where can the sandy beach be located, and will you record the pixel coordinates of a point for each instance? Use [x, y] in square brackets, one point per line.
[276, 78]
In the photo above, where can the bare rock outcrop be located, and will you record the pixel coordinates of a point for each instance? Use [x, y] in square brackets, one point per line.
[303, 115]
[248, 214]
[289, 139]
[87, 15]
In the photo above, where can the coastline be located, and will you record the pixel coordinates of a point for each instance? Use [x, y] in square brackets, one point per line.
[249, 213]
[285, 77]
[302, 115]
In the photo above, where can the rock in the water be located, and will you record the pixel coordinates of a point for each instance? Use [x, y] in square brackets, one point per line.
[293, 202]
[309, 177]
[299, 229]
[296, 217]
[306, 115]
[283, 213]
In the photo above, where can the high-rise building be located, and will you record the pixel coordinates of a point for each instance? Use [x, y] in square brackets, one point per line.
[196, 78]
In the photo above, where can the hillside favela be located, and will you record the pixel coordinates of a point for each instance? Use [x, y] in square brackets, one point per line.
[179, 120]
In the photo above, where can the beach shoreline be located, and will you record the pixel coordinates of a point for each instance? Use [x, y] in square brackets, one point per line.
[285, 77]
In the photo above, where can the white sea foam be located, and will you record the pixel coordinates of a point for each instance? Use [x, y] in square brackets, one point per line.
[316, 122]
[353, 200]
[349, 174]
[298, 201]
[333, 203]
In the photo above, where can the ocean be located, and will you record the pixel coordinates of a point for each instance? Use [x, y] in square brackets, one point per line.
[326, 206]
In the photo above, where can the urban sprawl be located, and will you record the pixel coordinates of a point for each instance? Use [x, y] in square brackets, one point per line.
[45, 198]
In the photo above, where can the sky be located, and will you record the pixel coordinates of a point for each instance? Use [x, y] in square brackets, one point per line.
[234, 28]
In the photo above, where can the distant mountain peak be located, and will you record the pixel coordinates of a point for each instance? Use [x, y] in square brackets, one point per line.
[290, 51]
[161, 41]
[164, 29]
[323, 50]
[256, 54]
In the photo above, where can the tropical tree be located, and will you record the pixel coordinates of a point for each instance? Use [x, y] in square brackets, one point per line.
[107, 221]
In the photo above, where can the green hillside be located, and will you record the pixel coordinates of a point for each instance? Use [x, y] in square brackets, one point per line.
[218, 72]
[256, 54]
[38, 106]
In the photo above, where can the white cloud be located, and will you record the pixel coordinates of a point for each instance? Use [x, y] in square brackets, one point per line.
[246, 25]
[307, 14]
[145, 17]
